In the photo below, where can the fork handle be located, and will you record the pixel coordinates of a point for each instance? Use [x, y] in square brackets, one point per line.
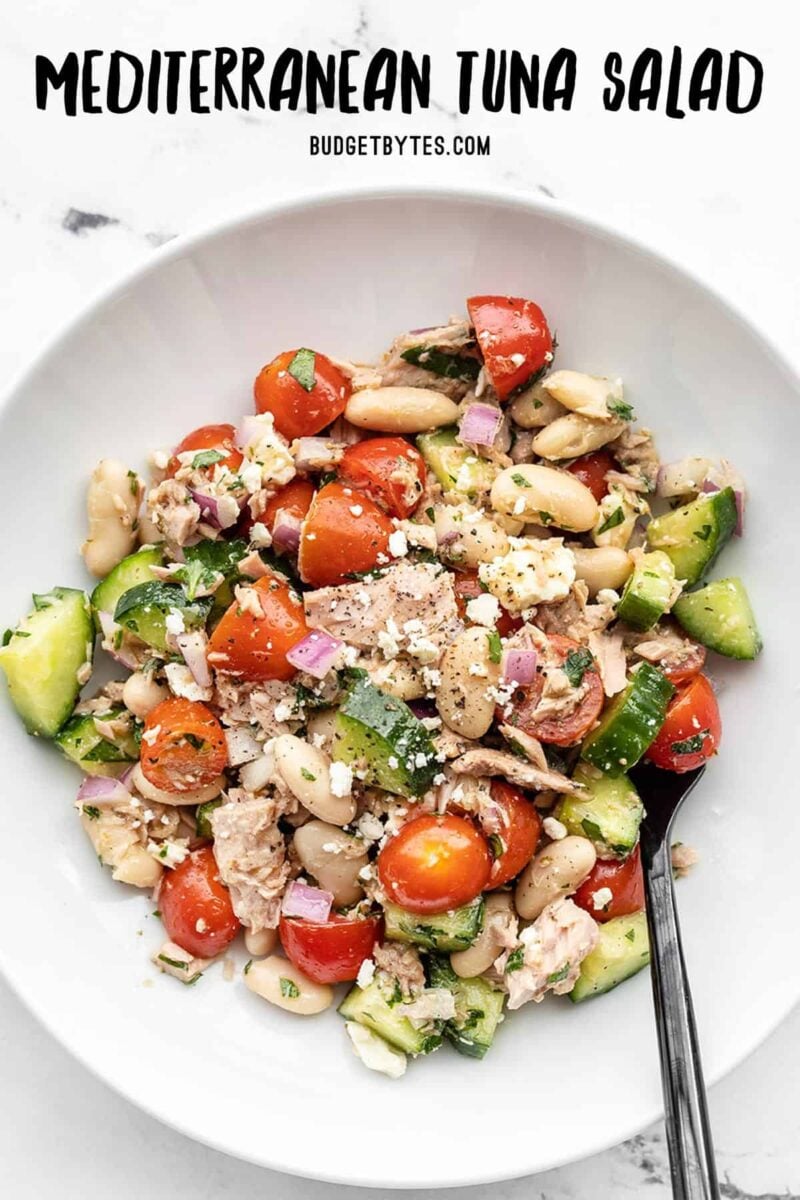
[691, 1150]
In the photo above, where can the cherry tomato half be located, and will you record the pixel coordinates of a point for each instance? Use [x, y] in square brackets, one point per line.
[591, 470]
[434, 864]
[196, 906]
[519, 827]
[344, 533]
[389, 469]
[513, 338]
[333, 952]
[557, 731]
[208, 437]
[255, 647]
[680, 668]
[303, 390]
[295, 498]
[692, 730]
[183, 746]
[624, 880]
[467, 587]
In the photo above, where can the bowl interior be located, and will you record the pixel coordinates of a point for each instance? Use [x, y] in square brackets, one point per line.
[178, 346]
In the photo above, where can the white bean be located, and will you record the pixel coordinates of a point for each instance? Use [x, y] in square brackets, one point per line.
[141, 694]
[467, 537]
[306, 772]
[112, 505]
[148, 533]
[589, 395]
[478, 957]
[260, 944]
[557, 871]
[333, 858]
[118, 847]
[150, 792]
[400, 409]
[463, 696]
[400, 678]
[527, 490]
[602, 567]
[279, 981]
[534, 408]
[573, 435]
[322, 724]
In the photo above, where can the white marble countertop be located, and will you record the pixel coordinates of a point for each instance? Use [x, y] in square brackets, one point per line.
[83, 200]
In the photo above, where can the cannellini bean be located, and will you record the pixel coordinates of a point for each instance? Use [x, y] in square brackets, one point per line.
[555, 872]
[400, 409]
[333, 858]
[468, 675]
[466, 537]
[588, 395]
[573, 435]
[260, 944]
[141, 694]
[306, 772]
[602, 567]
[148, 533]
[400, 678]
[279, 981]
[150, 792]
[527, 490]
[478, 957]
[534, 408]
[112, 505]
[322, 724]
[118, 847]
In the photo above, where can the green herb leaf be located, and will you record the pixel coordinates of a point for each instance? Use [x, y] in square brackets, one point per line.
[207, 458]
[612, 520]
[691, 744]
[515, 960]
[630, 936]
[560, 974]
[546, 518]
[497, 846]
[197, 743]
[703, 534]
[133, 483]
[520, 480]
[619, 409]
[91, 812]
[495, 646]
[576, 664]
[248, 965]
[450, 366]
[304, 771]
[173, 962]
[430, 514]
[289, 988]
[7, 636]
[592, 830]
[302, 367]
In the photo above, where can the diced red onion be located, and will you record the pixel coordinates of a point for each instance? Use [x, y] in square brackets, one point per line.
[479, 424]
[310, 903]
[100, 789]
[346, 434]
[126, 774]
[193, 646]
[519, 666]
[422, 709]
[286, 532]
[710, 487]
[317, 454]
[209, 509]
[447, 538]
[315, 653]
[425, 329]
[250, 429]
[109, 629]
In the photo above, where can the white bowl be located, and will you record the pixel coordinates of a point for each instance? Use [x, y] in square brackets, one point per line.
[178, 344]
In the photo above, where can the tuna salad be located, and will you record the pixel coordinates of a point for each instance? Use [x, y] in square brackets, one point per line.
[383, 655]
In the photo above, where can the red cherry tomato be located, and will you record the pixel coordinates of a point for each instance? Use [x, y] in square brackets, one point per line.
[434, 864]
[209, 437]
[513, 338]
[624, 880]
[692, 730]
[196, 906]
[295, 498]
[255, 647]
[681, 668]
[183, 746]
[300, 411]
[591, 470]
[557, 731]
[333, 952]
[467, 587]
[344, 532]
[389, 469]
[519, 828]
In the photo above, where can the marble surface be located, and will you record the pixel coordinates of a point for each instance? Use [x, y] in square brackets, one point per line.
[83, 200]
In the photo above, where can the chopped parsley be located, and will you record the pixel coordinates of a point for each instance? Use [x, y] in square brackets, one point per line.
[630, 936]
[515, 960]
[496, 845]
[691, 744]
[612, 520]
[195, 578]
[576, 664]
[559, 975]
[520, 480]
[248, 965]
[703, 534]
[90, 811]
[134, 483]
[197, 743]
[304, 771]
[619, 408]
[546, 518]
[207, 458]
[173, 962]
[450, 366]
[289, 989]
[301, 368]
[592, 830]
[430, 514]
[495, 646]
[7, 636]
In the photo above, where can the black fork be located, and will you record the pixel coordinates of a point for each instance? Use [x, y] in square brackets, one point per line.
[691, 1150]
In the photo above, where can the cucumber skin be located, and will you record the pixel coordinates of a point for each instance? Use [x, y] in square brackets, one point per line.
[97, 760]
[143, 609]
[615, 750]
[722, 600]
[127, 574]
[442, 932]
[647, 591]
[442, 452]
[691, 555]
[472, 1042]
[615, 958]
[613, 807]
[369, 1007]
[369, 724]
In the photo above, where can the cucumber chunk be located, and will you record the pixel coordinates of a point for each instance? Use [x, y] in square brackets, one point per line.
[445, 932]
[143, 610]
[609, 812]
[134, 569]
[459, 471]
[383, 735]
[479, 1008]
[375, 1010]
[623, 949]
[720, 616]
[440, 362]
[630, 723]
[694, 534]
[94, 753]
[202, 818]
[648, 591]
[44, 656]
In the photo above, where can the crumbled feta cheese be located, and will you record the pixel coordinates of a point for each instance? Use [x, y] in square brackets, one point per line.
[478, 669]
[533, 572]
[602, 898]
[398, 544]
[608, 596]
[260, 536]
[283, 710]
[484, 610]
[181, 682]
[554, 828]
[363, 597]
[356, 509]
[270, 452]
[341, 779]
[374, 1052]
[250, 475]
[366, 973]
[174, 622]
[423, 650]
[169, 853]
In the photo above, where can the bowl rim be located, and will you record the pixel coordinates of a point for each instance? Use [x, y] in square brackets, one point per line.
[303, 201]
